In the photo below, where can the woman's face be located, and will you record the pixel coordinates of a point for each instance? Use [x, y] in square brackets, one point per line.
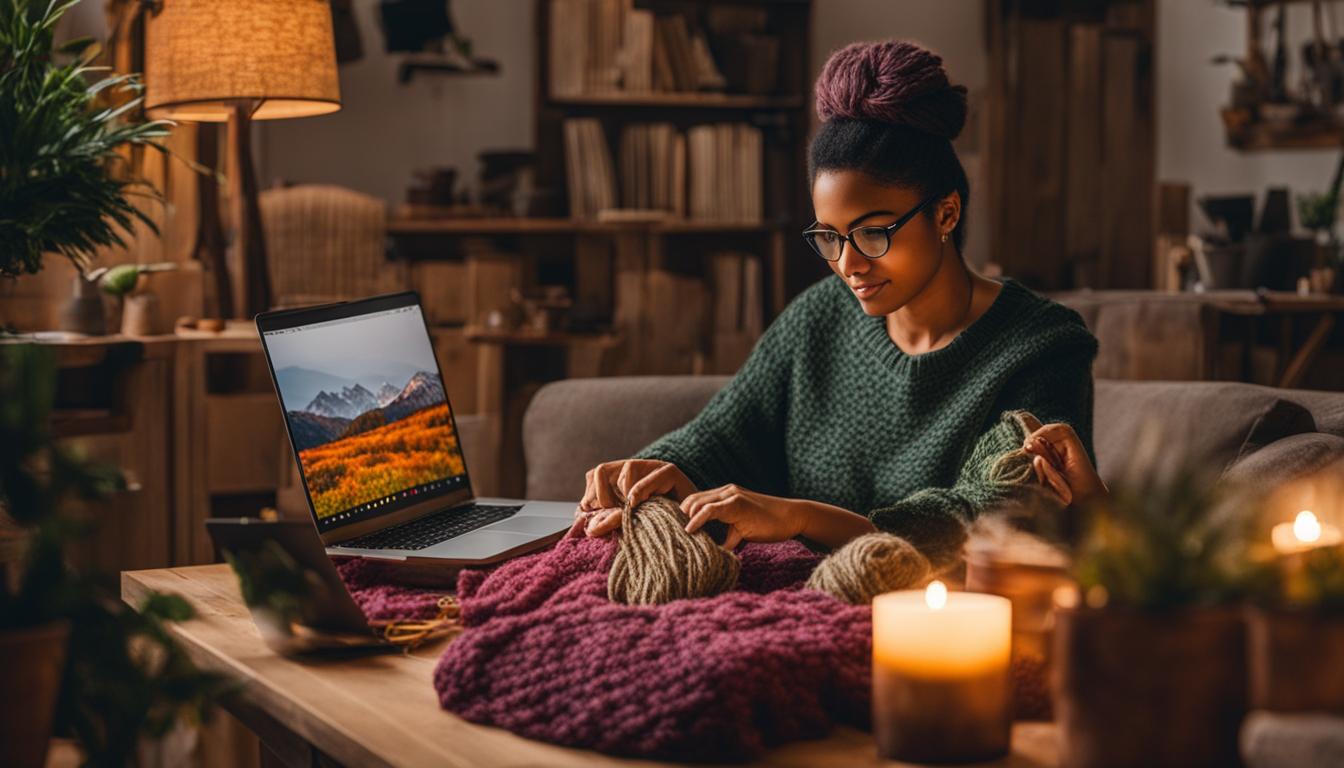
[844, 200]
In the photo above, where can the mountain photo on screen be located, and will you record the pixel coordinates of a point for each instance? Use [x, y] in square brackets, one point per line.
[369, 419]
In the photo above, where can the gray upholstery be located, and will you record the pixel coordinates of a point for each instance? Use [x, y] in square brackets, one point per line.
[1288, 459]
[573, 425]
[1211, 423]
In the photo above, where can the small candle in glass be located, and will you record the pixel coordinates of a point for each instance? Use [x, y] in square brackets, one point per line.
[1303, 533]
[942, 690]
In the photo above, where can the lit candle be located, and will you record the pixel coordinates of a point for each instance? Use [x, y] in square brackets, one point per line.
[941, 685]
[1304, 533]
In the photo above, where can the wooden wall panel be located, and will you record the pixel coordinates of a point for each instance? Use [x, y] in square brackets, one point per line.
[1084, 213]
[1070, 150]
[1129, 172]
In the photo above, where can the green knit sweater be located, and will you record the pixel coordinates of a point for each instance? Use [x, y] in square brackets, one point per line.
[828, 408]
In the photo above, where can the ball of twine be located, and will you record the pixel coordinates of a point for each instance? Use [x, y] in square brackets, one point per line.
[657, 561]
[868, 566]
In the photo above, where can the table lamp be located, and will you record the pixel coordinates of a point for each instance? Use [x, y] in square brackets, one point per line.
[239, 61]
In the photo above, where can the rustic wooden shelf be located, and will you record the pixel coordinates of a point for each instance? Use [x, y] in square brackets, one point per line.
[1259, 137]
[684, 99]
[561, 226]
[524, 337]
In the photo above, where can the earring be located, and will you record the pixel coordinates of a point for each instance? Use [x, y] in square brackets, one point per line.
[944, 237]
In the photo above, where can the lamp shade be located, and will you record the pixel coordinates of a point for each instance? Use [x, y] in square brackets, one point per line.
[203, 57]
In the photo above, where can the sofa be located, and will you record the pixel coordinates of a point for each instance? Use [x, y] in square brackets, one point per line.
[1245, 431]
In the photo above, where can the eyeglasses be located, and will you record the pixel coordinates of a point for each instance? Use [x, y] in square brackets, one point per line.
[872, 242]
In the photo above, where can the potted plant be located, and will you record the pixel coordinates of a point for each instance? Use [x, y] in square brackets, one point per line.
[1318, 211]
[87, 665]
[64, 182]
[122, 283]
[1149, 652]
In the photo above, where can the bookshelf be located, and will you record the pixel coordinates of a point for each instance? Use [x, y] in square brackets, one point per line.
[681, 100]
[681, 176]
[598, 65]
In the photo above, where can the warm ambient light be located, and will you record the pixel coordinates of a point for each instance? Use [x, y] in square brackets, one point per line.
[204, 56]
[1306, 527]
[936, 595]
[1305, 532]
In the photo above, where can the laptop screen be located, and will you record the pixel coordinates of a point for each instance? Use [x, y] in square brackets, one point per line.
[367, 412]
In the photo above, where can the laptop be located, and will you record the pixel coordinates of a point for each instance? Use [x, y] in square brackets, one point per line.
[376, 444]
[285, 557]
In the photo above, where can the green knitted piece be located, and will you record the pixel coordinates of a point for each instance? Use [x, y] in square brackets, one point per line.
[828, 408]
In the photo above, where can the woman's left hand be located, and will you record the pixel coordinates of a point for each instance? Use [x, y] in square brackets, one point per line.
[1062, 464]
[750, 516]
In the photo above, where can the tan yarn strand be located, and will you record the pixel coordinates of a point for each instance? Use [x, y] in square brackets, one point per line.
[657, 561]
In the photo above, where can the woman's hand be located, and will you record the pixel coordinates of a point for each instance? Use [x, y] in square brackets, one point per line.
[610, 486]
[750, 516]
[1062, 464]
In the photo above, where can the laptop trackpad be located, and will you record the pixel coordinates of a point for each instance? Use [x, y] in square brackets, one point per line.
[532, 525]
[480, 544]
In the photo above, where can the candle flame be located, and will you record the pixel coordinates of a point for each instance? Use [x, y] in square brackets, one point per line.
[1306, 528]
[936, 595]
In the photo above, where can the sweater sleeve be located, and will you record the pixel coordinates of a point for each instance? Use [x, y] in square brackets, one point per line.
[739, 435]
[935, 520]
[995, 473]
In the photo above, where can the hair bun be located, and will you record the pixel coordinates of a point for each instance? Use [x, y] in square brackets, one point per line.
[893, 82]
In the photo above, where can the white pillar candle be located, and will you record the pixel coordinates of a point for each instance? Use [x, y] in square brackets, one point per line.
[942, 690]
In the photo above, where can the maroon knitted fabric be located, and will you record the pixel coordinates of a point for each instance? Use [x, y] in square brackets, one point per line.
[370, 583]
[547, 656]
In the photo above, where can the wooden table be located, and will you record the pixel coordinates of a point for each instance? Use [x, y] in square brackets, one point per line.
[1273, 308]
[382, 710]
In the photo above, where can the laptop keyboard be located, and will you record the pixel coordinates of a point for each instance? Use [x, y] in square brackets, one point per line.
[432, 529]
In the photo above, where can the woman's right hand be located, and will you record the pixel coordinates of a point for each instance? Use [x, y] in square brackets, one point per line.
[612, 485]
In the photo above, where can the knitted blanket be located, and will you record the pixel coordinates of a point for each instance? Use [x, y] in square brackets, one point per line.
[548, 656]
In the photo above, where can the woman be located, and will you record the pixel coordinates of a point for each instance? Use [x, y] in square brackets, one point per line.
[873, 401]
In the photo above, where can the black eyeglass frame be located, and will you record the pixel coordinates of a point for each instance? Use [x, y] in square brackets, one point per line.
[888, 230]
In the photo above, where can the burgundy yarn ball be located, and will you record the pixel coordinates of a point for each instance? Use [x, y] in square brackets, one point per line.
[893, 81]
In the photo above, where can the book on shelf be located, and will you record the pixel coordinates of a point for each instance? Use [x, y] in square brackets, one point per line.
[649, 174]
[712, 172]
[736, 315]
[590, 179]
[725, 162]
[608, 46]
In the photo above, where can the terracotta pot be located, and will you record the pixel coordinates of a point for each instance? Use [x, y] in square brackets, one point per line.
[1149, 688]
[140, 315]
[32, 660]
[1030, 586]
[1296, 660]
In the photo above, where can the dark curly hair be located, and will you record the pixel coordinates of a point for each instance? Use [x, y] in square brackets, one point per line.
[890, 112]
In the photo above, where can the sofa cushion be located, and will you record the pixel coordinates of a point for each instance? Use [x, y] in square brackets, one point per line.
[1287, 459]
[573, 425]
[1327, 408]
[1211, 424]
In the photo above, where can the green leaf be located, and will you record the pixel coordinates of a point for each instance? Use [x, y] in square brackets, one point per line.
[167, 607]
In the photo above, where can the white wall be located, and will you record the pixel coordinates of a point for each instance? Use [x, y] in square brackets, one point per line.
[1190, 91]
[386, 130]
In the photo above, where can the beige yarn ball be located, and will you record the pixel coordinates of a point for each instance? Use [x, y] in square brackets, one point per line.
[657, 561]
[868, 566]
